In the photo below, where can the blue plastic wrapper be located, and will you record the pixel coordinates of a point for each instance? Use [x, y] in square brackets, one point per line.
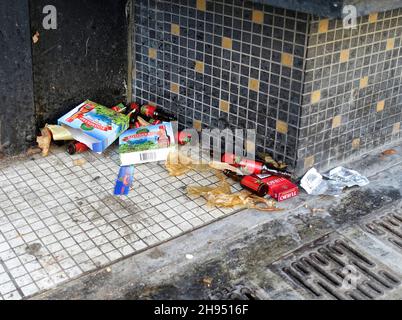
[124, 181]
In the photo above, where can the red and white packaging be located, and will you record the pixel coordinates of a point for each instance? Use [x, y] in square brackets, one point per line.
[279, 188]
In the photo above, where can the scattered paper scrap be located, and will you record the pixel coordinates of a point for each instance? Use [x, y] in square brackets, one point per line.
[389, 152]
[44, 141]
[312, 182]
[59, 133]
[80, 162]
[207, 281]
[35, 37]
[338, 179]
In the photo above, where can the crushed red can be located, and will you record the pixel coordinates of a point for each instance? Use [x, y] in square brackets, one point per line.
[279, 188]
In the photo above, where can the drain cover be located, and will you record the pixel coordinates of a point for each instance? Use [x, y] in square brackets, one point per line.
[387, 228]
[332, 268]
[239, 291]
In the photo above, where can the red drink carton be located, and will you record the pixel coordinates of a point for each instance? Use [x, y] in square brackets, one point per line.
[279, 188]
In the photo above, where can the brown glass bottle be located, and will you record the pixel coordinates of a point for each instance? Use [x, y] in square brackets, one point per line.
[251, 183]
[76, 147]
[252, 166]
[156, 113]
[133, 114]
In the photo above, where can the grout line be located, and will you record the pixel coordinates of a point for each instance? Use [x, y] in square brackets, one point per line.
[12, 278]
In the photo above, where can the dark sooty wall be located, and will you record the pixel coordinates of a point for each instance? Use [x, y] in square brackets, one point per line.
[316, 93]
[352, 92]
[85, 58]
[17, 124]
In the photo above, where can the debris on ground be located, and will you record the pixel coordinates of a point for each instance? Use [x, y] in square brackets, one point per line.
[336, 181]
[389, 152]
[146, 144]
[270, 162]
[249, 166]
[207, 281]
[251, 183]
[44, 141]
[35, 37]
[146, 134]
[178, 164]
[33, 150]
[59, 133]
[80, 162]
[222, 196]
[189, 256]
[76, 147]
[95, 125]
[279, 188]
[33, 249]
[124, 180]
[313, 210]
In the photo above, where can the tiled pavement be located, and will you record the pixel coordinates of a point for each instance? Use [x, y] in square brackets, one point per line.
[59, 220]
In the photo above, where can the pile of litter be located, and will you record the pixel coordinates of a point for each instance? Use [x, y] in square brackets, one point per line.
[149, 134]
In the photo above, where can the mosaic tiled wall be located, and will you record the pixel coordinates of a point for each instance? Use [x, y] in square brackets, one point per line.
[217, 62]
[315, 93]
[352, 100]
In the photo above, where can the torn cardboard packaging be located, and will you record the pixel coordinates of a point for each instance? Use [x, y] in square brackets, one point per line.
[146, 144]
[95, 125]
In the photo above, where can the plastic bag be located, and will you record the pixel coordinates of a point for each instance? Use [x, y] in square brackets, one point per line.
[221, 196]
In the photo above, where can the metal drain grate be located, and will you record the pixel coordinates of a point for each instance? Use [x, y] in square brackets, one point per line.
[239, 291]
[388, 228]
[336, 270]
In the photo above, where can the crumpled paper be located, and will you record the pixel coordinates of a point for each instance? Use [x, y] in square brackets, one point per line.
[338, 179]
[44, 141]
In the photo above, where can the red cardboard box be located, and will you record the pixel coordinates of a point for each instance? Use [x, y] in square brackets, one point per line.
[280, 188]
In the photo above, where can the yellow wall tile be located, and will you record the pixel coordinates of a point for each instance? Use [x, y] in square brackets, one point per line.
[258, 16]
[323, 25]
[287, 59]
[226, 43]
[201, 5]
[363, 82]
[396, 128]
[175, 29]
[315, 96]
[356, 143]
[174, 87]
[199, 66]
[373, 17]
[152, 53]
[224, 106]
[344, 56]
[197, 125]
[281, 127]
[390, 44]
[380, 105]
[254, 84]
[309, 162]
[336, 121]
